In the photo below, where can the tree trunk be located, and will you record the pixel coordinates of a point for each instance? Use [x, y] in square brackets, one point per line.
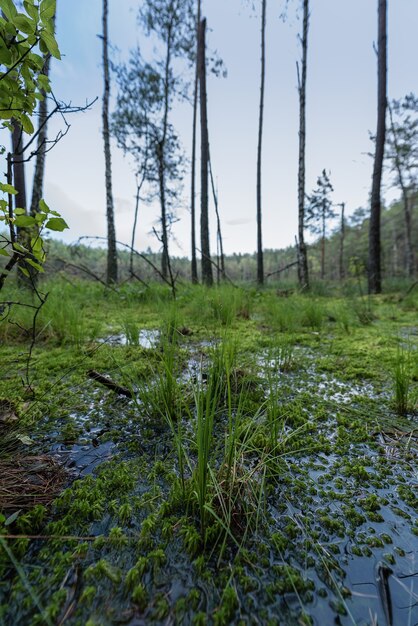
[131, 258]
[303, 258]
[18, 167]
[207, 275]
[24, 277]
[342, 235]
[165, 259]
[39, 173]
[260, 260]
[193, 170]
[221, 267]
[374, 269]
[112, 261]
[323, 245]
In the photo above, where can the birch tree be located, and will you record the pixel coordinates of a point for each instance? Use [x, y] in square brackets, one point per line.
[112, 261]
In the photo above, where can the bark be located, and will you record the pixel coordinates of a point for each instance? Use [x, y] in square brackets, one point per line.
[112, 261]
[193, 170]
[374, 269]
[207, 275]
[165, 259]
[110, 384]
[218, 222]
[39, 173]
[260, 261]
[18, 166]
[342, 236]
[323, 245]
[410, 257]
[20, 200]
[131, 258]
[303, 258]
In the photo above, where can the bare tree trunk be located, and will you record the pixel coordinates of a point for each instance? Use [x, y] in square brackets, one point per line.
[374, 269]
[38, 176]
[342, 235]
[193, 171]
[24, 277]
[39, 173]
[131, 258]
[18, 167]
[221, 267]
[410, 260]
[112, 260]
[323, 246]
[260, 260]
[303, 258]
[165, 259]
[207, 275]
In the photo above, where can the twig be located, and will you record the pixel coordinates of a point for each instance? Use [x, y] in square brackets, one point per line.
[110, 384]
[282, 269]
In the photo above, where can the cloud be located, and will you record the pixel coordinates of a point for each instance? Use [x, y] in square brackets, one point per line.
[238, 222]
[81, 220]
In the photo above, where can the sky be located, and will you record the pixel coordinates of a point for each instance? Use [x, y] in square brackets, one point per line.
[341, 110]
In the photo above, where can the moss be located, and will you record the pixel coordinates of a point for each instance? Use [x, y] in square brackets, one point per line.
[140, 596]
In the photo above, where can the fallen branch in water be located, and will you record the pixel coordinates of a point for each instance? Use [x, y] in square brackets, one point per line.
[110, 384]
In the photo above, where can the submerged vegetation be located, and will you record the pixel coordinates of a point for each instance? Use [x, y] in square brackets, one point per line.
[264, 464]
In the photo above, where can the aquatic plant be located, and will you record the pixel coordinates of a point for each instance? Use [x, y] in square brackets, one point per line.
[402, 378]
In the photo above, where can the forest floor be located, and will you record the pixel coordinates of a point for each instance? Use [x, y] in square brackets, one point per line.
[259, 465]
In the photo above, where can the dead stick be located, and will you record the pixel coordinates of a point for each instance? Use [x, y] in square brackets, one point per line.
[107, 382]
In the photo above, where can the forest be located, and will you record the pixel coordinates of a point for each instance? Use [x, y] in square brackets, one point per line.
[224, 436]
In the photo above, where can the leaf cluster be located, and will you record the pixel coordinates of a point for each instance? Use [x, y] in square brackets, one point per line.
[25, 38]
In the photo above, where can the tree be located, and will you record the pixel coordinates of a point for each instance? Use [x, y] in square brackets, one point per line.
[342, 238]
[173, 22]
[39, 173]
[319, 211]
[138, 125]
[193, 164]
[402, 155]
[260, 264]
[302, 253]
[207, 274]
[22, 37]
[374, 265]
[112, 259]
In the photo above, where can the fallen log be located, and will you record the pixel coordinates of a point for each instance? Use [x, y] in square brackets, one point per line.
[110, 384]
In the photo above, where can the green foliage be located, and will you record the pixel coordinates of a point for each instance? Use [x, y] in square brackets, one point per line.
[25, 39]
[22, 37]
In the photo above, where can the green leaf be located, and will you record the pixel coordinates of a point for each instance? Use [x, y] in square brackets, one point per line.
[31, 9]
[27, 441]
[43, 207]
[57, 223]
[48, 9]
[5, 54]
[4, 252]
[24, 221]
[40, 218]
[25, 24]
[19, 248]
[20, 211]
[8, 9]
[8, 189]
[25, 273]
[26, 124]
[50, 43]
[12, 518]
[35, 265]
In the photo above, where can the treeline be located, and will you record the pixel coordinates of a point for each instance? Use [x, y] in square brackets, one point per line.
[279, 265]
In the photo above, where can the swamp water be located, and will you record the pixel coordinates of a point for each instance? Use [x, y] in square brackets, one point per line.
[335, 539]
